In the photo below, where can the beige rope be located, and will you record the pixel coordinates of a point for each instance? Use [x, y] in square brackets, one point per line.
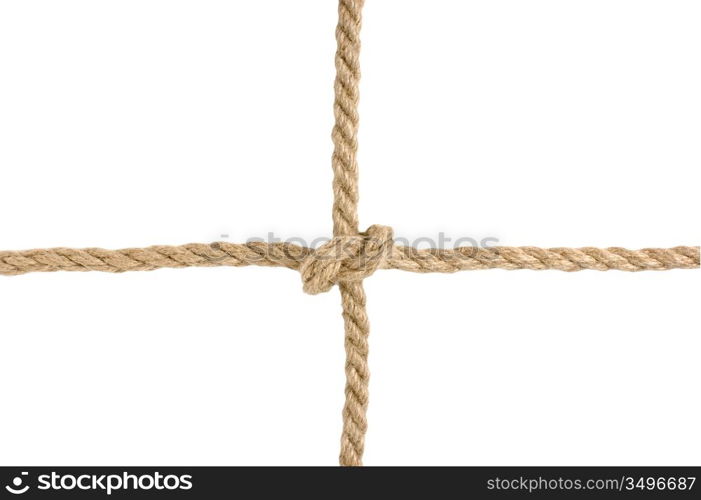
[350, 264]
[155, 257]
[345, 223]
[350, 256]
[346, 259]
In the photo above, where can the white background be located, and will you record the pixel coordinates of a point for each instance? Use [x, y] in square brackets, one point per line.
[549, 123]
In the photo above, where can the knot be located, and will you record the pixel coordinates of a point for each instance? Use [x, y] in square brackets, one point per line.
[346, 258]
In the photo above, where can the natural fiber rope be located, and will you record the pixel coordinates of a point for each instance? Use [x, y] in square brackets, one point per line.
[345, 223]
[350, 256]
[349, 268]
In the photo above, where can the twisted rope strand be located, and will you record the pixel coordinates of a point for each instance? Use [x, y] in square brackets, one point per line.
[150, 258]
[561, 259]
[345, 129]
[345, 223]
[293, 256]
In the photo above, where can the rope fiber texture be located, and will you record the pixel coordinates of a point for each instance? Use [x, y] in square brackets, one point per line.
[347, 267]
[345, 224]
[350, 256]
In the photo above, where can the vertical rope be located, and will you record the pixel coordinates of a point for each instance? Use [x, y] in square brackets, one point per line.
[345, 222]
[357, 374]
[345, 130]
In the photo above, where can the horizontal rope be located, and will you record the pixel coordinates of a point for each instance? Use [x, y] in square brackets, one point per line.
[291, 256]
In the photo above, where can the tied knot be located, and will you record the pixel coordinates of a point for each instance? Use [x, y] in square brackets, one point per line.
[346, 258]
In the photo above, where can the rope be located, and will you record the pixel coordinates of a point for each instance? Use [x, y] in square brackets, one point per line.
[350, 256]
[350, 264]
[345, 223]
[346, 259]
[155, 257]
